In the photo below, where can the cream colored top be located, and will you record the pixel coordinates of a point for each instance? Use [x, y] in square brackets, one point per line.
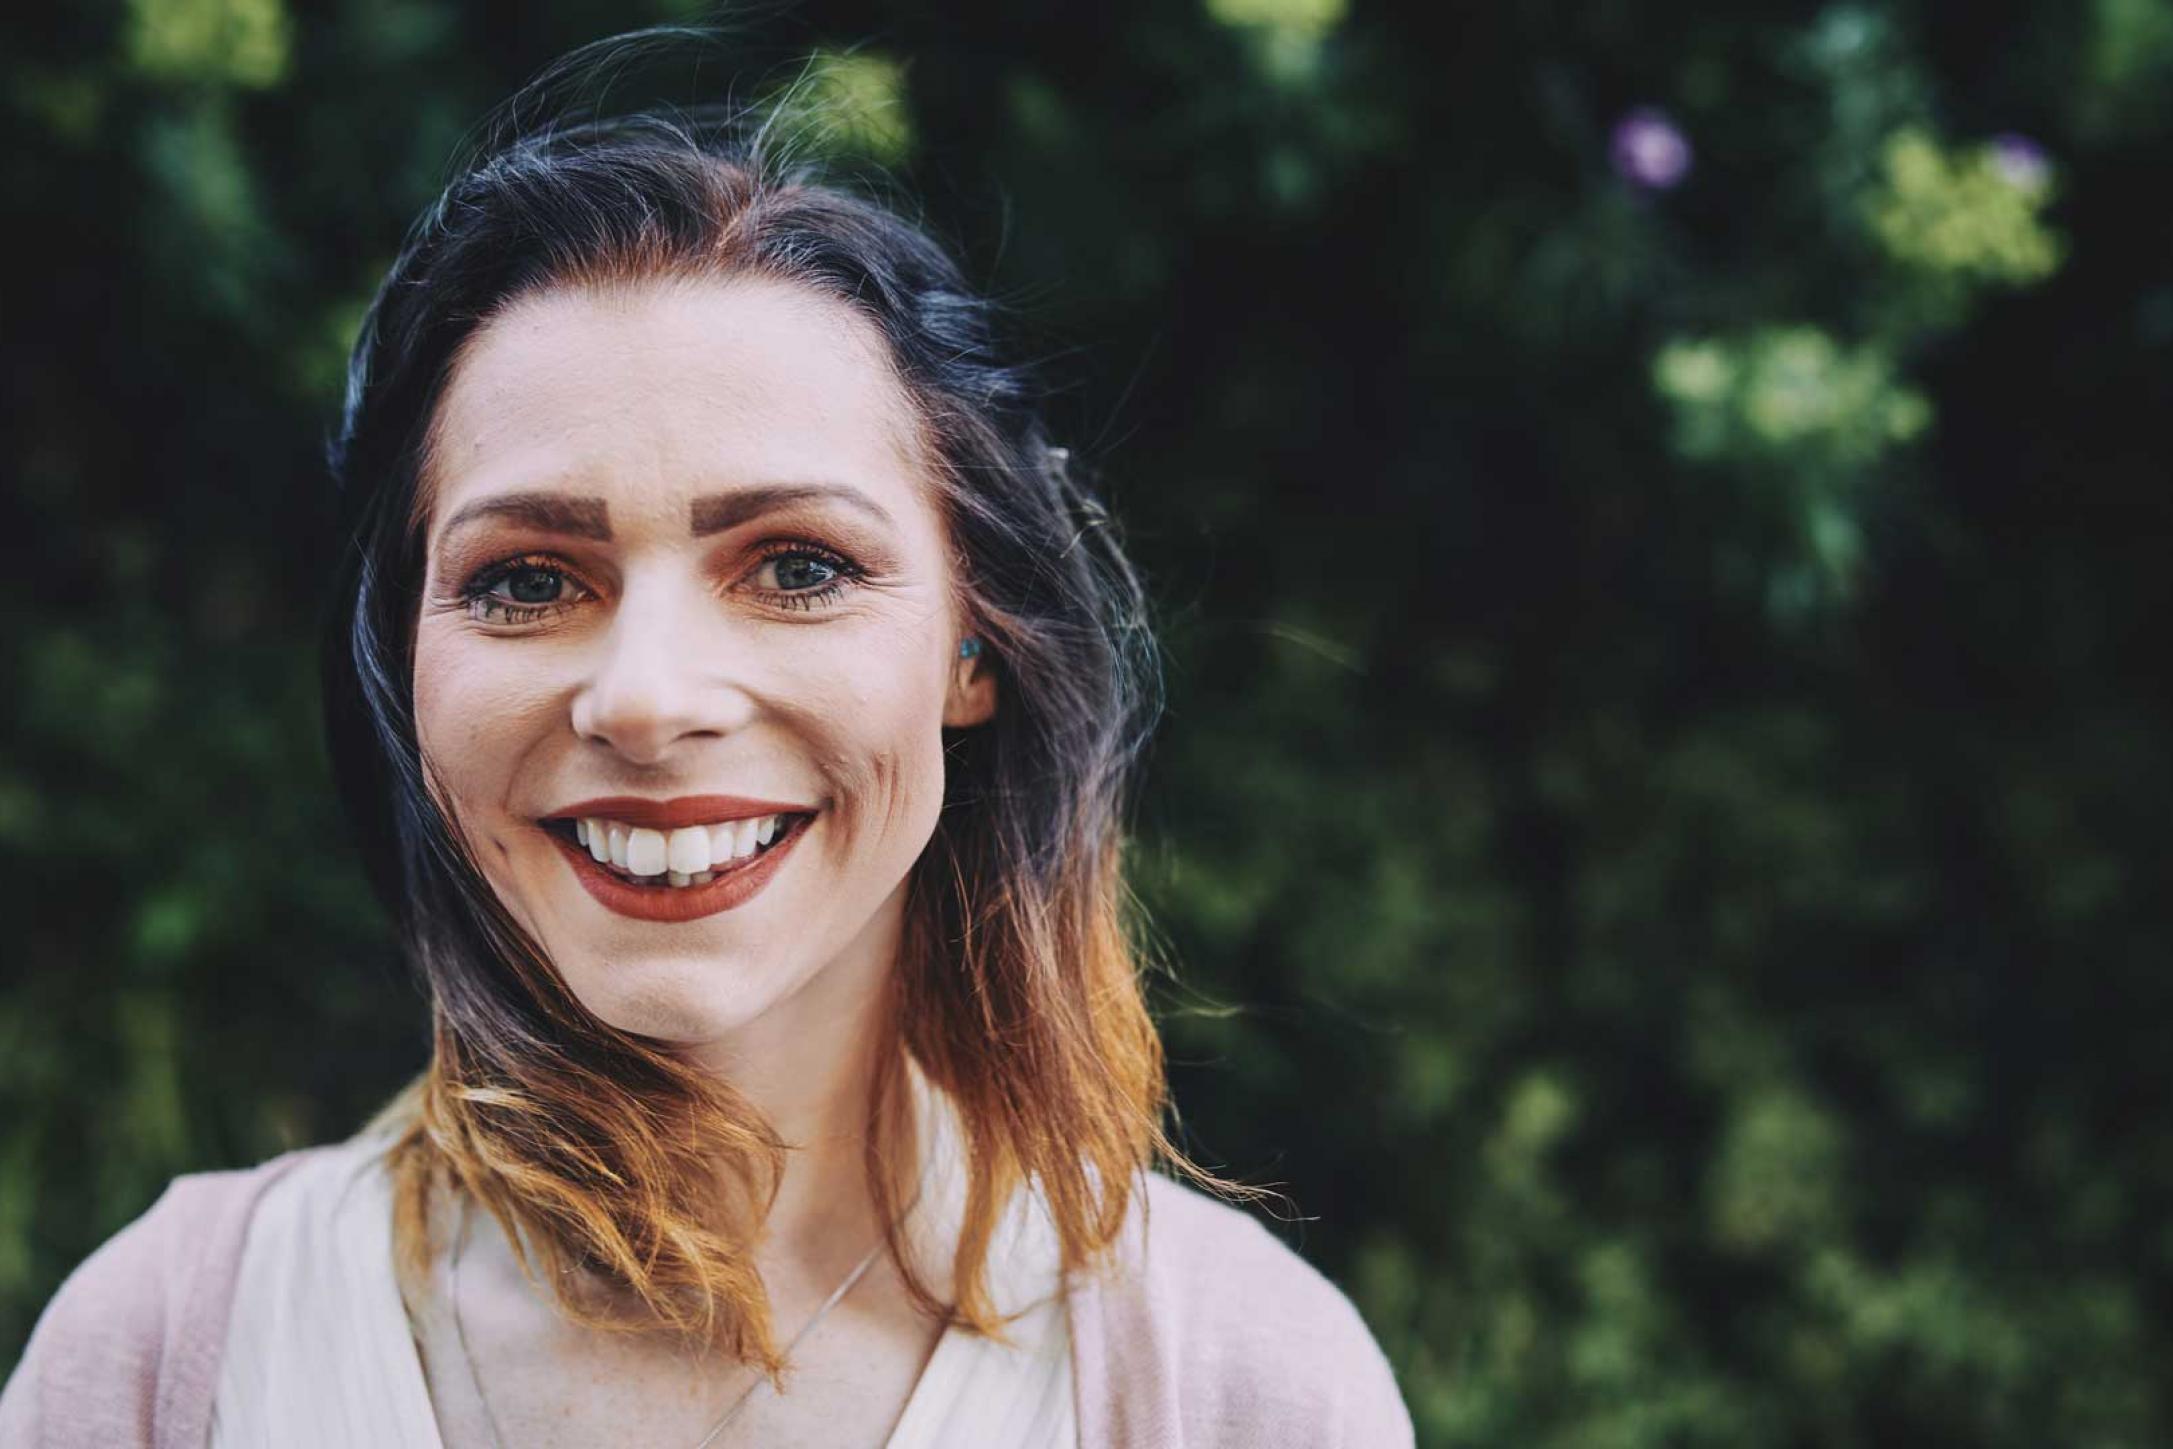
[319, 1350]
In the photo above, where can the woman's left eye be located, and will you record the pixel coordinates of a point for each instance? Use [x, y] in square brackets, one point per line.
[796, 566]
[807, 577]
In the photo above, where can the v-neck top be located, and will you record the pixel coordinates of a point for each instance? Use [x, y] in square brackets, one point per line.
[320, 1351]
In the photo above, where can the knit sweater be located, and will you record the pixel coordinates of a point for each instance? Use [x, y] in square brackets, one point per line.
[1209, 1333]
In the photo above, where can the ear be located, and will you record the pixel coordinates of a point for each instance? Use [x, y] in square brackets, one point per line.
[972, 696]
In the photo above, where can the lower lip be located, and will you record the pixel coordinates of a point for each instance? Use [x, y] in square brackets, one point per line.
[678, 903]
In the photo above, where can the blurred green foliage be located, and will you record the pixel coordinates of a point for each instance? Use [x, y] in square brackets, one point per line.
[1660, 818]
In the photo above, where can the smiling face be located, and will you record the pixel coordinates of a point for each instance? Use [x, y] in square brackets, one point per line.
[680, 543]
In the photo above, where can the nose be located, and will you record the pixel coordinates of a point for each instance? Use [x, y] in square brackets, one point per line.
[661, 675]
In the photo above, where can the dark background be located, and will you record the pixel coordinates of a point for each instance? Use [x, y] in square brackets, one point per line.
[1660, 822]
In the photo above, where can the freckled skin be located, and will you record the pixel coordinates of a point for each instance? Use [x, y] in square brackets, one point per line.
[669, 668]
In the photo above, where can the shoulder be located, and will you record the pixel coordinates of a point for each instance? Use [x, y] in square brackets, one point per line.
[1250, 1343]
[129, 1344]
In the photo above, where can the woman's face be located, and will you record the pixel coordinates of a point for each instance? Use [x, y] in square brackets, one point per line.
[680, 546]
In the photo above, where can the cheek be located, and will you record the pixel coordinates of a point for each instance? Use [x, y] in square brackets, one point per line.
[436, 689]
[445, 694]
[476, 711]
[909, 759]
[879, 718]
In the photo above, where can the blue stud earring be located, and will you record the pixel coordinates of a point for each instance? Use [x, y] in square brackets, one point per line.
[969, 647]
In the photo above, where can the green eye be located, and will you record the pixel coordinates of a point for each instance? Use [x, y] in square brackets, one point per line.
[808, 576]
[793, 571]
[534, 586]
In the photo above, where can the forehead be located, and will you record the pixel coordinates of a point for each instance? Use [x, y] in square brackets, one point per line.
[649, 392]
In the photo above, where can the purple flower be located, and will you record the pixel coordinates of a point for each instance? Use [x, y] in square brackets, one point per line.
[1648, 150]
[2021, 161]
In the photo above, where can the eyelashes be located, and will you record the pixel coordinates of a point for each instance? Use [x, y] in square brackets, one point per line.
[480, 597]
[534, 573]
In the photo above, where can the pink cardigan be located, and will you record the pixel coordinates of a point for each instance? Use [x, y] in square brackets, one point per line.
[1216, 1334]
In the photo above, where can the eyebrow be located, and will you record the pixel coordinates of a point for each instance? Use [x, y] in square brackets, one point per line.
[711, 513]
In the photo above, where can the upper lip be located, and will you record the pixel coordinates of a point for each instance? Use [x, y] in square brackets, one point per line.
[675, 814]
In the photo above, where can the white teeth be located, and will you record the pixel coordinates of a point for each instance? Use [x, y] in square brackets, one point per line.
[687, 851]
[736, 839]
[689, 855]
[645, 851]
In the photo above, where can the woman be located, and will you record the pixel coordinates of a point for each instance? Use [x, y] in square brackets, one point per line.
[735, 697]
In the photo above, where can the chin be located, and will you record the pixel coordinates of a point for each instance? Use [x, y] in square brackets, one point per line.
[681, 1001]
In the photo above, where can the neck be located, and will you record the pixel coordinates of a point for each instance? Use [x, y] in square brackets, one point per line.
[807, 1067]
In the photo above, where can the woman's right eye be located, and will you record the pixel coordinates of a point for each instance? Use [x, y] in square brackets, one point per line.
[531, 590]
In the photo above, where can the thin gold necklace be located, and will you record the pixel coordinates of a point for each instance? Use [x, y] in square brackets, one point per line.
[732, 1410]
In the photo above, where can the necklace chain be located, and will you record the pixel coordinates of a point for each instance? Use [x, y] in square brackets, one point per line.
[731, 1410]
